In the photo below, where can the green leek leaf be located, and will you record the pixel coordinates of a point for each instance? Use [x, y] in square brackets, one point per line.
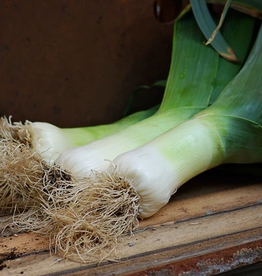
[250, 7]
[207, 26]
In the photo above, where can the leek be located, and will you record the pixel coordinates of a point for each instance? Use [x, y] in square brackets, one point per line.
[190, 88]
[85, 217]
[50, 141]
[229, 131]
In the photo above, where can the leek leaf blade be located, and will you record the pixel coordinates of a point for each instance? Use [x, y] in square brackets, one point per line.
[242, 96]
[207, 26]
[250, 7]
[242, 26]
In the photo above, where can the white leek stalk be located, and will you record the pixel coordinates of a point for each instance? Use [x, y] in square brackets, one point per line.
[49, 141]
[157, 169]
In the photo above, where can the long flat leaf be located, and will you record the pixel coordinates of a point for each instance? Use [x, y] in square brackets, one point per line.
[222, 18]
[208, 26]
[250, 7]
[242, 27]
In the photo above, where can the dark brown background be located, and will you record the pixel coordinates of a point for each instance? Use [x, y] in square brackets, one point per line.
[76, 62]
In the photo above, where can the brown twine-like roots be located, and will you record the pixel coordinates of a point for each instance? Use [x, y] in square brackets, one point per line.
[28, 213]
[16, 131]
[86, 219]
[83, 219]
[21, 169]
[30, 220]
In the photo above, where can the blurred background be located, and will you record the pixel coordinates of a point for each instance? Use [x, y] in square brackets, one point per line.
[75, 63]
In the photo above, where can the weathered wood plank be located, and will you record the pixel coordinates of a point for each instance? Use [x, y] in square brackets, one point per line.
[191, 237]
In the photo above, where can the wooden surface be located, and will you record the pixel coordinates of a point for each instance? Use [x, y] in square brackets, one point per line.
[211, 225]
